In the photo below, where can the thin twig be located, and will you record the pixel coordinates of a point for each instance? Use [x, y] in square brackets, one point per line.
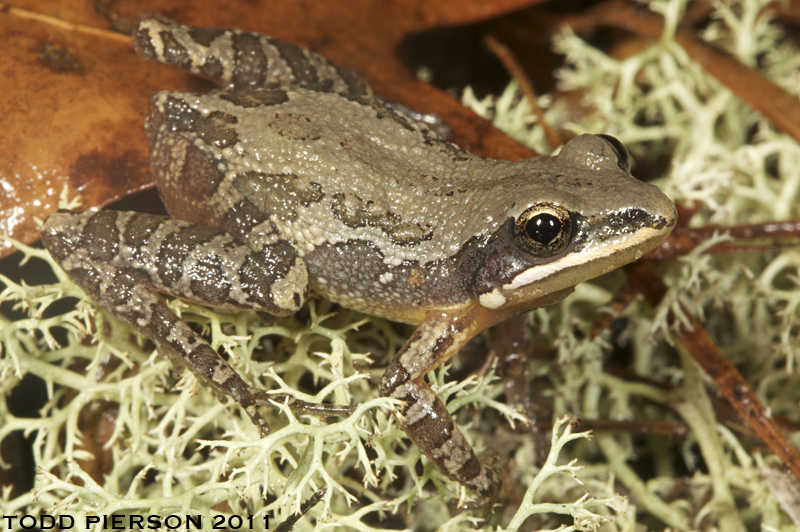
[516, 71]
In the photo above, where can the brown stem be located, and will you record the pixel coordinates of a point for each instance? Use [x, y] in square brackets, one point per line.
[518, 73]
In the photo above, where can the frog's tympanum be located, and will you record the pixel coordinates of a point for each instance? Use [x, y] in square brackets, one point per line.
[293, 176]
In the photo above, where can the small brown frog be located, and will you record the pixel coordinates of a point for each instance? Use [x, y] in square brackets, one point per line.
[292, 176]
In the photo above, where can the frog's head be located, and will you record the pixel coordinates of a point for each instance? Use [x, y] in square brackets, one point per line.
[583, 216]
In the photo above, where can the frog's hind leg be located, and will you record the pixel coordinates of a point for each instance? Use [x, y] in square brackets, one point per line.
[244, 60]
[121, 259]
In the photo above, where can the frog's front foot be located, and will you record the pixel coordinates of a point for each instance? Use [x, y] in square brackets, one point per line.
[424, 417]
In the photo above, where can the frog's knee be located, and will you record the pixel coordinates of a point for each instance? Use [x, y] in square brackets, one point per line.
[64, 233]
[290, 292]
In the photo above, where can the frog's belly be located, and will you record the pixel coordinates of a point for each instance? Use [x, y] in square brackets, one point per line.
[354, 274]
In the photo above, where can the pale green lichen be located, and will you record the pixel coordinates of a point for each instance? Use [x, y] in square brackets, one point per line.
[578, 510]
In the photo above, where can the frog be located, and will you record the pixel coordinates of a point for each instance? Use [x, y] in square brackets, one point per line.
[293, 176]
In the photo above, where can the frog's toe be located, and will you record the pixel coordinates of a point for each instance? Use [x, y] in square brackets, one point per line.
[247, 397]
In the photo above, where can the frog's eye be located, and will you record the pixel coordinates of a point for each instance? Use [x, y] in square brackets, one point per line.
[622, 152]
[544, 229]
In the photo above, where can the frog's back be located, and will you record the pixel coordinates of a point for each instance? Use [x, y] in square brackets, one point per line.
[388, 217]
[308, 145]
[327, 167]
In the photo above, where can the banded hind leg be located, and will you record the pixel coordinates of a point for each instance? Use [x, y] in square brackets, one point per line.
[243, 59]
[122, 259]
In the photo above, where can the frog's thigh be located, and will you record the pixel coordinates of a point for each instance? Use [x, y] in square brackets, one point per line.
[242, 59]
[424, 418]
[195, 190]
[192, 261]
[121, 259]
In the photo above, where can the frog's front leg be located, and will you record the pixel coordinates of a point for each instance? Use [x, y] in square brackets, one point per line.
[121, 259]
[424, 417]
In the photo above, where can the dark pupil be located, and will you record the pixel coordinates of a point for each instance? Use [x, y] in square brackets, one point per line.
[543, 228]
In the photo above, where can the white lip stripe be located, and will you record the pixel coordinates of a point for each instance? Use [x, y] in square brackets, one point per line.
[587, 255]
